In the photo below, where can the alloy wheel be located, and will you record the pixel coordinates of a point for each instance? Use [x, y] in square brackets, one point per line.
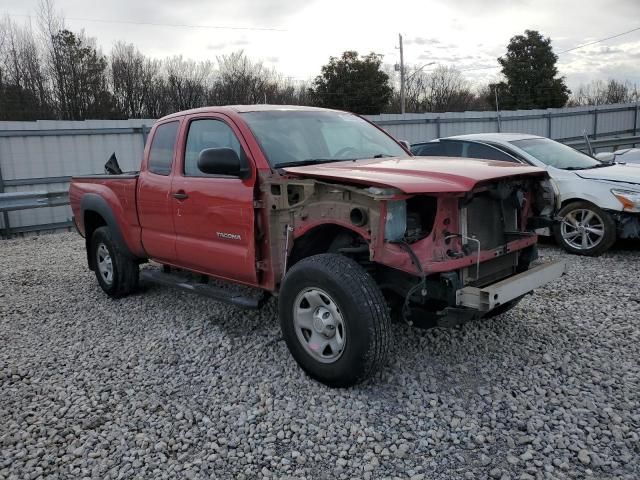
[582, 229]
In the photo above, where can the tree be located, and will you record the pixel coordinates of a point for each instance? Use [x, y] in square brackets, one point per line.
[529, 67]
[79, 78]
[448, 91]
[132, 78]
[442, 90]
[599, 92]
[242, 81]
[23, 84]
[188, 82]
[353, 83]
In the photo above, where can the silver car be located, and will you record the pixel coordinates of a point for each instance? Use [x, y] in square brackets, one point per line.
[597, 202]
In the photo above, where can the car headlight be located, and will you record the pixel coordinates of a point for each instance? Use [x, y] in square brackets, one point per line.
[630, 199]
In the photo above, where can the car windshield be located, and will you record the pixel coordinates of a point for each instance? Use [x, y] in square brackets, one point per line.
[556, 154]
[302, 137]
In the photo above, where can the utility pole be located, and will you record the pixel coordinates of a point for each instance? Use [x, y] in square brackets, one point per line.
[402, 99]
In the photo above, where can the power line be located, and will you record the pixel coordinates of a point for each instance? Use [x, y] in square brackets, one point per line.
[173, 25]
[563, 51]
[601, 40]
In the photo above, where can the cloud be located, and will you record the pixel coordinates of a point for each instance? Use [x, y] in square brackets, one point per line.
[488, 6]
[421, 41]
[446, 58]
[468, 34]
[263, 13]
[226, 45]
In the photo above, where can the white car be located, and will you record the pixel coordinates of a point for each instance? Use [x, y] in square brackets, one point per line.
[597, 202]
[629, 156]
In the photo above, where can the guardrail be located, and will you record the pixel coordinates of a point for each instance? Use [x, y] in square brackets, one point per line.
[13, 201]
[613, 142]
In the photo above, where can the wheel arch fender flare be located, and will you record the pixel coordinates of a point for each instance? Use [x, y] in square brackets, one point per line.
[92, 202]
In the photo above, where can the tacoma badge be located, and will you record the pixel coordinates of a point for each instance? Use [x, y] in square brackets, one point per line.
[229, 236]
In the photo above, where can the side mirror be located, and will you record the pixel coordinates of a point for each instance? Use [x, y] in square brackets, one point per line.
[606, 157]
[405, 144]
[221, 161]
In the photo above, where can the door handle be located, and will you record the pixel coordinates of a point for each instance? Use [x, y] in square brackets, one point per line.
[180, 195]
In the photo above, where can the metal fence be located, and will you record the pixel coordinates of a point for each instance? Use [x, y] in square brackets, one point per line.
[563, 124]
[42, 156]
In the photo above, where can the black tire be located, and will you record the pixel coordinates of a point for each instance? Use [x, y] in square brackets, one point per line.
[602, 245]
[125, 271]
[362, 310]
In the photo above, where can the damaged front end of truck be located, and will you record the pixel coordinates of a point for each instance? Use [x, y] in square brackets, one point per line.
[440, 258]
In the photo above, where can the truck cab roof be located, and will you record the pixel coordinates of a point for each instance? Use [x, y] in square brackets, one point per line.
[244, 109]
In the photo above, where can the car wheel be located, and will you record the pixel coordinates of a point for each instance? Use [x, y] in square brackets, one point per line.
[334, 320]
[117, 272]
[585, 229]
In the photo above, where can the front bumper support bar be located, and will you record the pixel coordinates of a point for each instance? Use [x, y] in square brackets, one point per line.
[487, 298]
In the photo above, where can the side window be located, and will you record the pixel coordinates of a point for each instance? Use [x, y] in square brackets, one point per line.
[162, 145]
[516, 157]
[429, 149]
[452, 148]
[478, 150]
[207, 133]
[442, 148]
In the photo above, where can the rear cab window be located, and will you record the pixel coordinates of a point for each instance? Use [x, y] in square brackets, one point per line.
[162, 148]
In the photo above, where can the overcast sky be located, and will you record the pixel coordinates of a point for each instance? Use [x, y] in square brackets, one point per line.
[466, 33]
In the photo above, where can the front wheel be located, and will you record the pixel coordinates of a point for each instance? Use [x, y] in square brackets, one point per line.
[585, 229]
[334, 319]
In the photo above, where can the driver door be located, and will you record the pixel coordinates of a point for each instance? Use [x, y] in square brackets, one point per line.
[214, 214]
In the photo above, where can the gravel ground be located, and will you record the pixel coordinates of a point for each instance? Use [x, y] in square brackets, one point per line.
[162, 385]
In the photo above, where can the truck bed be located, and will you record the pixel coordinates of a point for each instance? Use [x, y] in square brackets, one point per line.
[118, 192]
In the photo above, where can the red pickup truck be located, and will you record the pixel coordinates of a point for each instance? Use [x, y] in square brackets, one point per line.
[327, 212]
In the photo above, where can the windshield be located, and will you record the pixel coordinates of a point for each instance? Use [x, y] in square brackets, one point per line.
[293, 137]
[556, 154]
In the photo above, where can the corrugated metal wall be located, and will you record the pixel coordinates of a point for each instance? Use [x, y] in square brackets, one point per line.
[556, 123]
[40, 156]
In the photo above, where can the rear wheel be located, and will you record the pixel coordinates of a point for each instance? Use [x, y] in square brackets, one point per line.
[117, 272]
[585, 229]
[334, 319]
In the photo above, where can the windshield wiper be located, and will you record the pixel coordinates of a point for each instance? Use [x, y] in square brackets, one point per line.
[601, 165]
[316, 161]
[312, 161]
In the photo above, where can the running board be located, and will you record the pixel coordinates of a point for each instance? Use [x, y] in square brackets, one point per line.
[220, 294]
